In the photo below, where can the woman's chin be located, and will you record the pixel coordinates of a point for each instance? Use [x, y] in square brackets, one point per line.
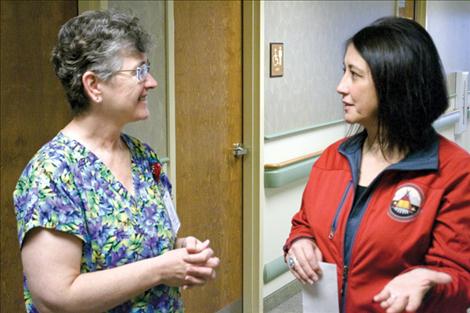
[349, 119]
[144, 116]
[143, 113]
[141, 116]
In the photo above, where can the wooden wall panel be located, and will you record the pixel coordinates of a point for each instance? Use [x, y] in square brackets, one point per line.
[208, 96]
[33, 109]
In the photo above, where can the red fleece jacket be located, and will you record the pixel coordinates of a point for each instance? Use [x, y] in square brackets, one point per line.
[412, 219]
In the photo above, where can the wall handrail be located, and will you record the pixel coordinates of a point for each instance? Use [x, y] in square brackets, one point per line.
[284, 175]
[274, 269]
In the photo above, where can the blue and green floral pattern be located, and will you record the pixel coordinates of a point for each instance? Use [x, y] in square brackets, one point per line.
[67, 188]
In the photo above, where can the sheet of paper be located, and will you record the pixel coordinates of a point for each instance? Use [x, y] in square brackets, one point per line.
[322, 297]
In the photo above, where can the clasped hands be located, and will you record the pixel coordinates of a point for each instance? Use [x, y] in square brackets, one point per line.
[404, 293]
[191, 263]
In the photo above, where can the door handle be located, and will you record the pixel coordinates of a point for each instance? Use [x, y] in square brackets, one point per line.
[239, 150]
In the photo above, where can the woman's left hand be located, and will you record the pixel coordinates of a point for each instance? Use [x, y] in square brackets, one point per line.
[200, 255]
[406, 291]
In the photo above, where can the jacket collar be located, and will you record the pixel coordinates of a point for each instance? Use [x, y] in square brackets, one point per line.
[424, 159]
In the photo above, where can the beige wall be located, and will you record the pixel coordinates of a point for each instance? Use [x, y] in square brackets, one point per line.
[314, 34]
[154, 130]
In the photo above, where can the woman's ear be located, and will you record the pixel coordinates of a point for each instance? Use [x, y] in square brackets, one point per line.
[92, 87]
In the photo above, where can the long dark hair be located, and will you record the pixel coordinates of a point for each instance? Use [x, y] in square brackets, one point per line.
[409, 81]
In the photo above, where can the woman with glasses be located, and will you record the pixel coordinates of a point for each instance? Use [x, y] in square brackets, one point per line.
[389, 205]
[96, 224]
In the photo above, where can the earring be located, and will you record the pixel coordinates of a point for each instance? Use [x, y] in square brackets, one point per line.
[98, 99]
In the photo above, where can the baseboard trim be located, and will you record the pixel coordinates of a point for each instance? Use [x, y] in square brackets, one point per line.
[281, 295]
[235, 307]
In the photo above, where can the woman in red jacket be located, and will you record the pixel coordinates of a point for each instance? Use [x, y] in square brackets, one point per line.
[390, 205]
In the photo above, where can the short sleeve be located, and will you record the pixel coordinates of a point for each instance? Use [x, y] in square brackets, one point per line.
[46, 196]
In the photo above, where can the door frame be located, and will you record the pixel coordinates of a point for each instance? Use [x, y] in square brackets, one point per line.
[253, 168]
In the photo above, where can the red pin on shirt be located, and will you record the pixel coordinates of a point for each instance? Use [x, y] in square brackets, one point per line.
[156, 170]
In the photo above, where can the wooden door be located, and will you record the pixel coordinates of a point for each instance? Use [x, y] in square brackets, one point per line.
[208, 100]
[33, 109]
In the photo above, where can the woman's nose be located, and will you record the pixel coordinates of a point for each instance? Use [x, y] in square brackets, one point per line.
[342, 86]
[150, 82]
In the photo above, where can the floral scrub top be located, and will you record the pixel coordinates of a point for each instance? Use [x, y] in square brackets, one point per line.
[67, 188]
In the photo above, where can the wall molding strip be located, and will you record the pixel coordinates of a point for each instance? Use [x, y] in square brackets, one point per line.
[300, 130]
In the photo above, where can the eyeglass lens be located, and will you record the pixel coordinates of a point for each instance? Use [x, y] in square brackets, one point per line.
[142, 71]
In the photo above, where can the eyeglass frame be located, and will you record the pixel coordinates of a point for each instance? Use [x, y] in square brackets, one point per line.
[141, 71]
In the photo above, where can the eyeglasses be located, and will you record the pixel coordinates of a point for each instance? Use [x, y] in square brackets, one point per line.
[141, 72]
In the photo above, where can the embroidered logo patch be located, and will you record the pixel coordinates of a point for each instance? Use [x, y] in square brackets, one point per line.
[406, 203]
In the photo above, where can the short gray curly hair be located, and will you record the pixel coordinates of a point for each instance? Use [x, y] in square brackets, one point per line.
[95, 41]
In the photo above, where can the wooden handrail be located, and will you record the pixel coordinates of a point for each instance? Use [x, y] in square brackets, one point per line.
[275, 166]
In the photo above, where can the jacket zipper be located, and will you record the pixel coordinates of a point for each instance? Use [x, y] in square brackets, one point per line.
[338, 211]
[343, 288]
[345, 278]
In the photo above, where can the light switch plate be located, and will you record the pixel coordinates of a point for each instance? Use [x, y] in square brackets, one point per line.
[277, 59]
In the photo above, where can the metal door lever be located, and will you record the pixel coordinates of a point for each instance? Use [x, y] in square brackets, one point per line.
[239, 150]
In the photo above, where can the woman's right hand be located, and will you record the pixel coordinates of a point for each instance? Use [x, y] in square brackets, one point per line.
[306, 256]
[181, 268]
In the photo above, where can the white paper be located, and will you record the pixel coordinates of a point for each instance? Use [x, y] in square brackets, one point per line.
[322, 296]
[175, 221]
